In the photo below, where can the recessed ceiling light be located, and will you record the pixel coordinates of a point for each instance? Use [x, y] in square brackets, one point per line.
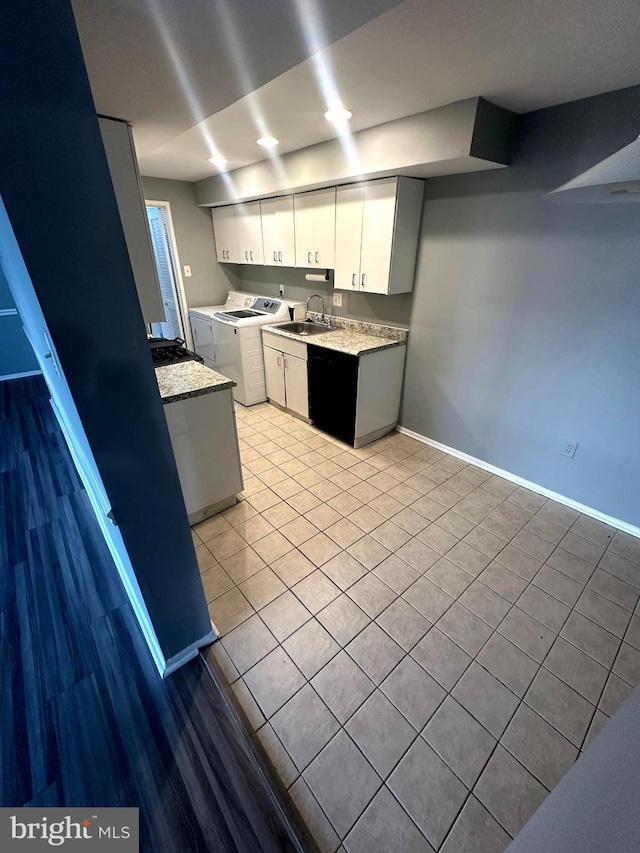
[338, 114]
[218, 162]
[268, 141]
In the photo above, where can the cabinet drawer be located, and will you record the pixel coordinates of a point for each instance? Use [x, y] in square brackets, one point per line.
[287, 345]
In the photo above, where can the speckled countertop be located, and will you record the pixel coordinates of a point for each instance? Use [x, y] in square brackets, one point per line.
[347, 340]
[189, 379]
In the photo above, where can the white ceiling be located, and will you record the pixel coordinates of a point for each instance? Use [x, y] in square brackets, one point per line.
[223, 78]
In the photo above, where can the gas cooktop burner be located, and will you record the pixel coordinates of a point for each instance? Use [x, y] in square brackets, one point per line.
[164, 351]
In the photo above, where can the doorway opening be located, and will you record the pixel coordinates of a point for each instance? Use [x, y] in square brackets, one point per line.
[165, 253]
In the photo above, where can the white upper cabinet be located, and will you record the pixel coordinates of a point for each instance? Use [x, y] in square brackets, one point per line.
[303, 215]
[324, 227]
[315, 228]
[349, 208]
[224, 231]
[377, 231]
[367, 232]
[278, 232]
[249, 233]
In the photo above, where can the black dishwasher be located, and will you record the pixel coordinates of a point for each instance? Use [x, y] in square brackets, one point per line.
[333, 386]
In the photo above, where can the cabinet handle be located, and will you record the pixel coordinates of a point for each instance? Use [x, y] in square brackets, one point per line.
[353, 280]
[275, 257]
[251, 254]
[286, 364]
[363, 279]
[280, 256]
[317, 257]
[195, 334]
[246, 256]
[309, 257]
[278, 361]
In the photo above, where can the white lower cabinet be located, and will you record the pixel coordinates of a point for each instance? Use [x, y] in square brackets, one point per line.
[274, 375]
[285, 364]
[205, 444]
[296, 387]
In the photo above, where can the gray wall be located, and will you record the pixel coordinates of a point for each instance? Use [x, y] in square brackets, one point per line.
[16, 355]
[392, 310]
[80, 269]
[209, 282]
[525, 329]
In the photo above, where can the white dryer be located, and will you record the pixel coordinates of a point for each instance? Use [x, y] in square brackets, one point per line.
[229, 338]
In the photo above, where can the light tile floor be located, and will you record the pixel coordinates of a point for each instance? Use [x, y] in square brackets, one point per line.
[423, 648]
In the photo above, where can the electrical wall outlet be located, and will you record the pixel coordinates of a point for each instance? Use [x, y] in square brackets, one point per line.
[281, 290]
[569, 449]
[337, 300]
[187, 271]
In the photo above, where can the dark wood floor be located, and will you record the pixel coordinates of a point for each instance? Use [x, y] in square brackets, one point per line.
[84, 717]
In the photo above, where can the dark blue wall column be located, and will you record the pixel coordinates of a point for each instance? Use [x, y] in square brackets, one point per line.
[57, 190]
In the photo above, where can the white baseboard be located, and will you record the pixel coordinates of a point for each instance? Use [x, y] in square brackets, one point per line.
[527, 484]
[20, 375]
[187, 654]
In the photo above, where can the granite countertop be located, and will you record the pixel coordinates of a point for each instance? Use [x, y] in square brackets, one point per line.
[189, 379]
[349, 341]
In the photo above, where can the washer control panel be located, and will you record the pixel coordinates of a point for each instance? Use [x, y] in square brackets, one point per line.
[271, 306]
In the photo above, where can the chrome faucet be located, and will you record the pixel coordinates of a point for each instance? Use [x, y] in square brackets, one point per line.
[317, 296]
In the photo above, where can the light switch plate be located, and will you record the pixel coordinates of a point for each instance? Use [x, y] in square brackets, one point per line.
[187, 271]
[337, 300]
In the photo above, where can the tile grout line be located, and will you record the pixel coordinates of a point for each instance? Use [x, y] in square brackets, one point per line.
[475, 578]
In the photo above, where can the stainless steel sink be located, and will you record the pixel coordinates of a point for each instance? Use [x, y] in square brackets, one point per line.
[305, 328]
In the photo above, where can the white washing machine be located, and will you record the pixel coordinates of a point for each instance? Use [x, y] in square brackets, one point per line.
[229, 338]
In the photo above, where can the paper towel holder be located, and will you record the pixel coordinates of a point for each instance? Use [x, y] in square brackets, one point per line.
[314, 276]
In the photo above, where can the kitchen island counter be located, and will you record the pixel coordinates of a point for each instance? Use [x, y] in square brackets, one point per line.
[202, 428]
[189, 379]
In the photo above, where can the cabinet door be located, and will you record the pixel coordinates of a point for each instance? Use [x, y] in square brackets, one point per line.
[224, 232]
[278, 231]
[378, 220]
[274, 375]
[303, 218]
[203, 338]
[249, 230]
[269, 231]
[349, 202]
[297, 388]
[324, 227]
